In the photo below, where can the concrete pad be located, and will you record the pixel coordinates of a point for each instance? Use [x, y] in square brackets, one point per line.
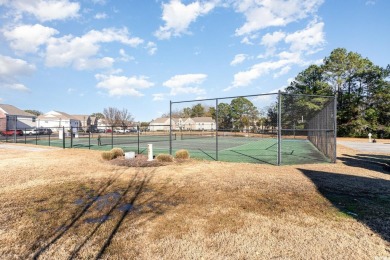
[366, 146]
[25, 148]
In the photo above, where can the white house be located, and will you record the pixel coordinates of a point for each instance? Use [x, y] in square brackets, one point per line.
[86, 122]
[56, 119]
[196, 123]
[12, 117]
[159, 124]
[199, 123]
[102, 124]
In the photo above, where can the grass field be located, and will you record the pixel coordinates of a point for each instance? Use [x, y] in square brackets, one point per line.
[230, 149]
[63, 204]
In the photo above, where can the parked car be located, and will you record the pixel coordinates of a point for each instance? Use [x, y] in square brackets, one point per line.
[12, 132]
[32, 131]
[46, 131]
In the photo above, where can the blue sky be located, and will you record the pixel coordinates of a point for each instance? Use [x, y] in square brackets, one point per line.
[82, 56]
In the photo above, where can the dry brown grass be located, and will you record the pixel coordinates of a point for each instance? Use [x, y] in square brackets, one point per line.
[54, 204]
[182, 154]
[164, 158]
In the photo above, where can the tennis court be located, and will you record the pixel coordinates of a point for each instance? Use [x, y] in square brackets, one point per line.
[230, 148]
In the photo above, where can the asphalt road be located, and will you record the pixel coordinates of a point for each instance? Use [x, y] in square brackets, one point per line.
[367, 147]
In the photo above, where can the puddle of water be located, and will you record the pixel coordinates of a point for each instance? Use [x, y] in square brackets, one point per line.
[100, 219]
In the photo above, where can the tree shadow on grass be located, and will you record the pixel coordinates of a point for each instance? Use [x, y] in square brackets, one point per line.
[60, 232]
[374, 162]
[126, 201]
[365, 199]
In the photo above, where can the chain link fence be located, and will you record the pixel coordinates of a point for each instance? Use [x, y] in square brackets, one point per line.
[277, 128]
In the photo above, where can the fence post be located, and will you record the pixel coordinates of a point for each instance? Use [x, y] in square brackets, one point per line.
[112, 137]
[138, 140]
[335, 129]
[216, 128]
[25, 137]
[71, 136]
[170, 127]
[89, 139]
[279, 160]
[16, 122]
[63, 137]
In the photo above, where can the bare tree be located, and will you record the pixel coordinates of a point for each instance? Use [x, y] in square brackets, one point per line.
[116, 117]
[111, 115]
[125, 118]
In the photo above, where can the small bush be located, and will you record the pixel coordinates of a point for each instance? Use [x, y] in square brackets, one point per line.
[164, 158]
[107, 155]
[182, 154]
[117, 152]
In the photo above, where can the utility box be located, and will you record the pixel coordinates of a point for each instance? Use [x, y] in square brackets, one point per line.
[129, 155]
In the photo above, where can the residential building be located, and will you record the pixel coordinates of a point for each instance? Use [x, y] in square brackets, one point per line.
[195, 123]
[86, 122]
[56, 119]
[159, 124]
[12, 117]
[199, 123]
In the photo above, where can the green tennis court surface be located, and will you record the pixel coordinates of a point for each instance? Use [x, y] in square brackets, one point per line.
[232, 149]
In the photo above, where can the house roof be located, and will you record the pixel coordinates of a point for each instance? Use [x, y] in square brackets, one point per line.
[203, 119]
[80, 117]
[160, 120]
[56, 115]
[14, 111]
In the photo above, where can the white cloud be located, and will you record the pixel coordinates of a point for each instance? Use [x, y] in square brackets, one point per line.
[283, 71]
[91, 64]
[10, 66]
[158, 96]
[178, 17]
[151, 47]
[122, 85]
[28, 38]
[245, 78]
[309, 39]
[271, 39]
[124, 56]
[10, 71]
[186, 84]
[262, 14]
[46, 10]
[79, 52]
[101, 2]
[100, 16]
[239, 58]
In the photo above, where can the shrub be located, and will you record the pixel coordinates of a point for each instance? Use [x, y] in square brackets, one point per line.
[116, 152]
[107, 155]
[164, 158]
[182, 154]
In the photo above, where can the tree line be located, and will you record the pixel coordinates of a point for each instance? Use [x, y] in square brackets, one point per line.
[362, 89]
